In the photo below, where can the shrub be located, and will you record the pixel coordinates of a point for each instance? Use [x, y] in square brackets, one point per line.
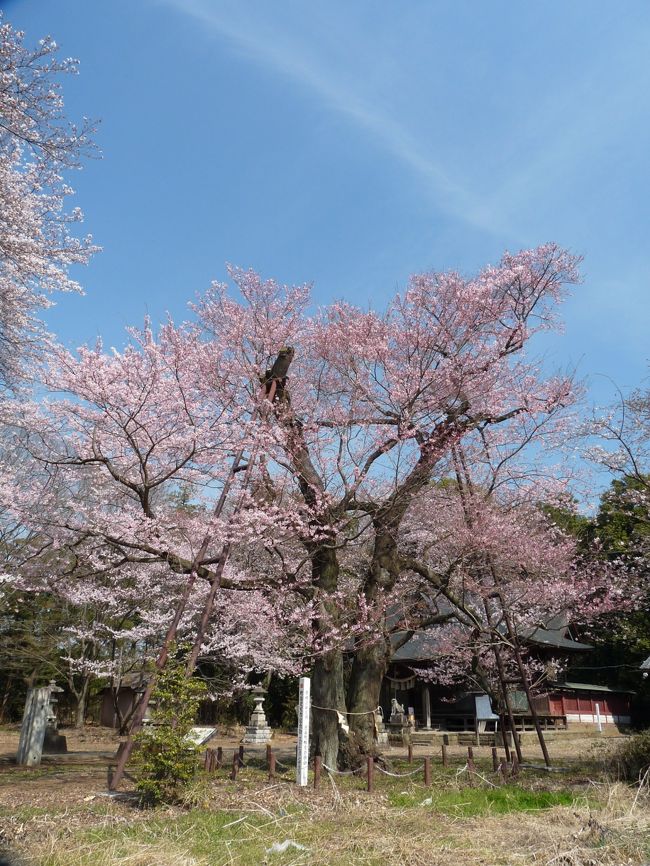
[632, 757]
[166, 761]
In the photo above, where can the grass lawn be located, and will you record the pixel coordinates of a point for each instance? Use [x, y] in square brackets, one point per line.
[576, 818]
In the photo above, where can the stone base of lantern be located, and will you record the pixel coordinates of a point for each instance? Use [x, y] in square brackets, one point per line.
[257, 735]
[258, 730]
[54, 743]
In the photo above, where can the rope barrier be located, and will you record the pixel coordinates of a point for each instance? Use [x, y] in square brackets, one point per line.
[492, 785]
[478, 775]
[400, 775]
[332, 710]
[339, 772]
[341, 717]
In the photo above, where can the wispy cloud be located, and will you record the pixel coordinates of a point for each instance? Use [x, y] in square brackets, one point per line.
[270, 45]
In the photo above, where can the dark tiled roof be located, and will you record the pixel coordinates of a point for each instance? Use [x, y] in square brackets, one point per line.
[421, 647]
[555, 638]
[589, 687]
[135, 681]
[424, 645]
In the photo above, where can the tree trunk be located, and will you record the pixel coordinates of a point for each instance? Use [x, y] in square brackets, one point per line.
[82, 698]
[368, 670]
[5, 700]
[371, 659]
[328, 693]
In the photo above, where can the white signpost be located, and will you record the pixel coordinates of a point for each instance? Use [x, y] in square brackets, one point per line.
[599, 721]
[302, 751]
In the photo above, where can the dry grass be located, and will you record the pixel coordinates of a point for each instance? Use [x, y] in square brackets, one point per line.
[608, 825]
[58, 817]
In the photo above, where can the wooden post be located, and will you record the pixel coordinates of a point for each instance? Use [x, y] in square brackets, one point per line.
[219, 758]
[269, 390]
[318, 763]
[504, 735]
[470, 753]
[471, 769]
[370, 764]
[495, 759]
[427, 771]
[271, 765]
[241, 756]
[503, 769]
[268, 754]
[445, 762]
[207, 760]
[235, 766]
[410, 753]
[514, 766]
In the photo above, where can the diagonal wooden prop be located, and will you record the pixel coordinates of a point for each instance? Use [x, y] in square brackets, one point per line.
[272, 381]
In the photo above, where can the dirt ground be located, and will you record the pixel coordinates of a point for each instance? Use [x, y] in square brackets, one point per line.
[66, 797]
[83, 772]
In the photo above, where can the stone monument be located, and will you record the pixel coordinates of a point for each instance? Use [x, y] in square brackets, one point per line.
[54, 743]
[38, 732]
[381, 734]
[32, 731]
[398, 724]
[398, 717]
[258, 730]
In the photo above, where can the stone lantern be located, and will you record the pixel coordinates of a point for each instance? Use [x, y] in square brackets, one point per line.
[258, 730]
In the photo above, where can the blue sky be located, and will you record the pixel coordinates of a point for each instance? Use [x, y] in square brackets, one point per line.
[351, 144]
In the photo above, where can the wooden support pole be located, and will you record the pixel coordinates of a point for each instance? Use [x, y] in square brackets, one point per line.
[268, 754]
[318, 763]
[241, 756]
[503, 769]
[271, 765]
[235, 766]
[470, 753]
[445, 761]
[514, 767]
[281, 365]
[370, 764]
[495, 759]
[410, 753]
[504, 734]
[471, 769]
[219, 758]
[427, 771]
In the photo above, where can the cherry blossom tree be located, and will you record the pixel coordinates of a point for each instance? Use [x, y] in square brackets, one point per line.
[619, 443]
[37, 146]
[623, 440]
[505, 570]
[314, 435]
[389, 395]
[92, 472]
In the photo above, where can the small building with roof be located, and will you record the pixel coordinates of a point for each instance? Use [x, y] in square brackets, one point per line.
[563, 705]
